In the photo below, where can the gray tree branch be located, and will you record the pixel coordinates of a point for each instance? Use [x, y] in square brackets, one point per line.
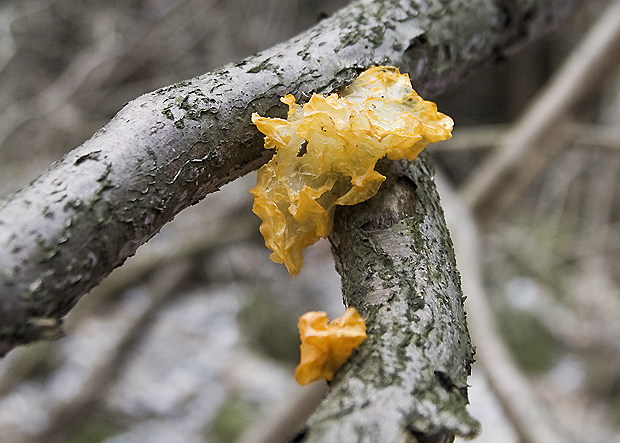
[407, 382]
[166, 150]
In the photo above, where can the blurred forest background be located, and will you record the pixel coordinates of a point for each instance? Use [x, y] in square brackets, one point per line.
[194, 339]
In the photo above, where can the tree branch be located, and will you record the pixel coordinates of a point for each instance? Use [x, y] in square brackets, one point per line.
[166, 150]
[407, 382]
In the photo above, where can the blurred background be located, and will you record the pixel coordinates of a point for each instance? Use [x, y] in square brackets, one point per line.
[194, 339]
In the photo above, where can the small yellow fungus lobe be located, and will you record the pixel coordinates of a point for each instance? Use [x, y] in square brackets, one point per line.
[326, 151]
[325, 347]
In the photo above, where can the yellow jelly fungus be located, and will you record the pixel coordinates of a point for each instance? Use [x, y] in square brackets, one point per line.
[325, 347]
[326, 151]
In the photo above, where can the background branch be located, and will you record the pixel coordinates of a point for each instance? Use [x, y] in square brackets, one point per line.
[512, 388]
[542, 130]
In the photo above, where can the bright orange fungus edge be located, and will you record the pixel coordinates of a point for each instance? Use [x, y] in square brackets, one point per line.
[326, 151]
[326, 347]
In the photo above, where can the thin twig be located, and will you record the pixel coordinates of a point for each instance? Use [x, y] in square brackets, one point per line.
[469, 138]
[287, 419]
[603, 136]
[581, 73]
[532, 422]
[18, 113]
[93, 65]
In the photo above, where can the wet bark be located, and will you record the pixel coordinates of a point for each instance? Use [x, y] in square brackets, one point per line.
[166, 150]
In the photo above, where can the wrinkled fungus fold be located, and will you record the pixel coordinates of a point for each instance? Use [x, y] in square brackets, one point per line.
[326, 151]
[326, 347]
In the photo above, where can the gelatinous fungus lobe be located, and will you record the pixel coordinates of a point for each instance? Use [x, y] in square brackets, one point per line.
[325, 347]
[326, 151]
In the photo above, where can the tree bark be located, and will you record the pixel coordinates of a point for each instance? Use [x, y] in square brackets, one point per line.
[166, 150]
[407, 382]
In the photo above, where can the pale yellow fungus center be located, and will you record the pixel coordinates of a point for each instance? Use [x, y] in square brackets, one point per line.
[326, 151]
